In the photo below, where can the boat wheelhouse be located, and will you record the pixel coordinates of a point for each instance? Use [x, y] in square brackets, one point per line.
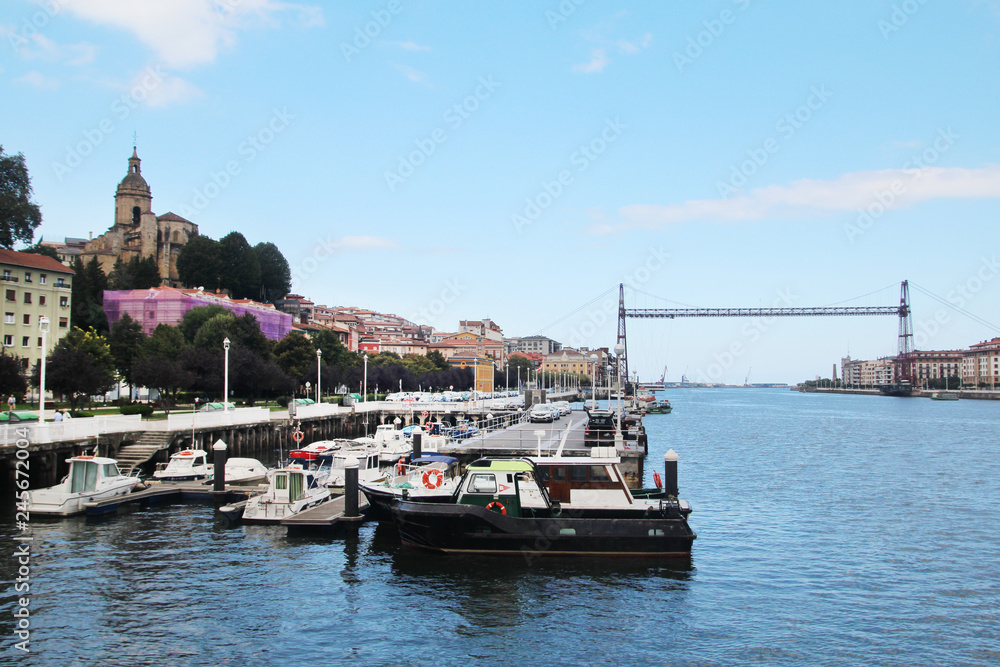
[90, 478]
[431, 478]
[184, 466]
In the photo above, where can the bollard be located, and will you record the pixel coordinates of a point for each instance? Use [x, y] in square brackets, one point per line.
[351, 488]
[417, 442]
[670, 473]
[219, 450]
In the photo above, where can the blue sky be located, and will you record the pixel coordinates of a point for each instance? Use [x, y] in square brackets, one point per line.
[446, 161]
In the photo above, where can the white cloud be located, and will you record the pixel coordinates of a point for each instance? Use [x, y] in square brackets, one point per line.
[890, 188]
[634, 47]
[598, 61]
[414, 75]
[38, 80]
[185, 33]
[163, 90]
[41, 47]
[412, 46]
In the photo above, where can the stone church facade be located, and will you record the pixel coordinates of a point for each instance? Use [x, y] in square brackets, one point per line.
[138, 232]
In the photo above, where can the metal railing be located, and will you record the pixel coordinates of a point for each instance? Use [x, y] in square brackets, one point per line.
[80, 428]
[186, 420]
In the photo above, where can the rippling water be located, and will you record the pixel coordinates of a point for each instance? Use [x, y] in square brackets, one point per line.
[833, 530]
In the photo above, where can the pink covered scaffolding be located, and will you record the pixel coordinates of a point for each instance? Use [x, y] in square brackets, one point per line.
[167, 305]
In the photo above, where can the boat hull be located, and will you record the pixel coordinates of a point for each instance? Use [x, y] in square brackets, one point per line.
[47, 503]
[382, 499]
[471, 529]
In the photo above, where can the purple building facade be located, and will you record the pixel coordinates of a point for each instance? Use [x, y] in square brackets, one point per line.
[167, 305]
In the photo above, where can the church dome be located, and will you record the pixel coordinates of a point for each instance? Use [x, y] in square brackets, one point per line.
[133, 183]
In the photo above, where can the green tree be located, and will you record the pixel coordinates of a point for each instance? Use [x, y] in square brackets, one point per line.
[19, 216]
[440, 363]
[136, 273]
[295, 355]
[241, 269]
[199, 264]
[194, 318]
[247, 334]
[126, 342]
[275, 275]
[167, 376]
[12, 380]
[213, 332]
[335, 353]
[166, 342]
[40, 249]
[81, 365]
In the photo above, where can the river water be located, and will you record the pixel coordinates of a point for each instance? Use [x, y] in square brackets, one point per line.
[832, 530]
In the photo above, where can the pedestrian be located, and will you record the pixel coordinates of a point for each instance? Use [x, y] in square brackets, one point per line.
[11, 401]
[57, 417]
[66, 415]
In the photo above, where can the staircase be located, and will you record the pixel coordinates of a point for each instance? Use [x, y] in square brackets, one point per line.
[132, 456]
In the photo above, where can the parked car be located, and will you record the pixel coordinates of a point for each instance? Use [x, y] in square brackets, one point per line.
[563, 406]
[602, 426]
[18, 416]
[540, 413]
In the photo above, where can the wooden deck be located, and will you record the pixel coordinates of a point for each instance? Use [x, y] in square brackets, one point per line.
[327, 515]
[169, 492]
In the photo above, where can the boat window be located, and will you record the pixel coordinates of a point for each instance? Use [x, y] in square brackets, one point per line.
[558, 474]
[110, 470]
[90, 476]
[599, 474]
[281, 482]
[295, 487]
[78, 477]
[578, 473]
[482, 483]
[543, 474]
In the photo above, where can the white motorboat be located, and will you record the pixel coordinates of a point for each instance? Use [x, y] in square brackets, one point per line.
[244, 471]
[390, 441]
[369, 470]
[430, 478]
[184, 466]
[290, 490]
[90, 478]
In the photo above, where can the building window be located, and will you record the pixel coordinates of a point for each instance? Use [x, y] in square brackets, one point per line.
[64, 301]
[24, 341]
[27, 297]
[27, 318]
[8, 341]
[63, 322]
[41, 300]
[39, 341]
[27, 276]
[11, 295]
[41, 278]
[8, 318]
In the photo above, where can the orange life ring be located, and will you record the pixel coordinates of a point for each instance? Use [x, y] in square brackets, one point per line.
[497, 506]
[433, 478]
[657, 480]
[425, 414]
[401, 466]
[298, 436]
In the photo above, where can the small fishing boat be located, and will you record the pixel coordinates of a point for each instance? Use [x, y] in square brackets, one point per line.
[431, 478]
[290, 490]
[944, 396]
[184, 466]
[551, 506]
[661, 407]
[90, 478]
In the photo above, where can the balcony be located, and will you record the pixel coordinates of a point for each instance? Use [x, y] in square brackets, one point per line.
[10, 279]
[60, 283]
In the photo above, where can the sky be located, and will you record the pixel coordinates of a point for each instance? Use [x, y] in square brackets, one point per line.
[518, 161]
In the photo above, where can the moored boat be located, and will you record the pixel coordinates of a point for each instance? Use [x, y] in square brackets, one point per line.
[661, 407]
[90, 478]
[290, 490]
[184, 466]
[431, 478]
[944, 396]
[552, 506]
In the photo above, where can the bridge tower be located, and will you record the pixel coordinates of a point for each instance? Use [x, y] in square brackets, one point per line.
[623, 357]
[903, 370]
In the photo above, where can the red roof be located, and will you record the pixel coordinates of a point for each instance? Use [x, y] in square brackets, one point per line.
[32, 260]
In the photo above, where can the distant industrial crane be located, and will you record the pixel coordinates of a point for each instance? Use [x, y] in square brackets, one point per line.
[746, 380]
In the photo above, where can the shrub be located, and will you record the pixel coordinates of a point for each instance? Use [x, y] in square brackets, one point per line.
[137, 409]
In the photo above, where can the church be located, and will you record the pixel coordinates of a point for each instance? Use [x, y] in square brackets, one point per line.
[138, 232]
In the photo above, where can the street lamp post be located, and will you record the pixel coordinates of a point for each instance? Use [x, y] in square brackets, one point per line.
[319, 396]
[43, 328]
[366, 379]
[593, 380]
[225, 384]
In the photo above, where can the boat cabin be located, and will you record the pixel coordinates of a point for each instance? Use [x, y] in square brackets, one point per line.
[289, 485]
[189, 464]
[85, 472]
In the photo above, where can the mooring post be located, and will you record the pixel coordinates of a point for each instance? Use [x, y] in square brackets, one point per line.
[417, 443]
[670, 473]
[351, 487]
[219, 450]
